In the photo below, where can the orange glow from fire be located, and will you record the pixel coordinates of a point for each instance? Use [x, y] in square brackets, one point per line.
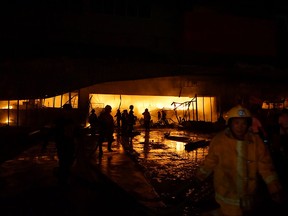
[6, 107]
[206, 105]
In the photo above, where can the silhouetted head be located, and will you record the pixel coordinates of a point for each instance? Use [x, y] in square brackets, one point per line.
[67, 107]
[131, 107]
[108, 108]
[93, 110]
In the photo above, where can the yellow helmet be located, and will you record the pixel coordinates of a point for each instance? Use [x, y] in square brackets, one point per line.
[237, 112]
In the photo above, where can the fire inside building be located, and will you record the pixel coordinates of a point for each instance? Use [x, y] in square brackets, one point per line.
[194, 60]
[180, 97]
[213, 55]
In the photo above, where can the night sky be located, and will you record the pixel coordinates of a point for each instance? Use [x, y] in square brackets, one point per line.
[44, 42]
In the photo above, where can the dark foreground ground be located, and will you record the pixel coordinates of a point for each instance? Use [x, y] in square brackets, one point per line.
[28, 185]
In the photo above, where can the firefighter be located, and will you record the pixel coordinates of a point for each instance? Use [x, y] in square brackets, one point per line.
[238, 158]
[131, 120]
[106, 129]
[147, 119]
[93, 121]
[65, 130]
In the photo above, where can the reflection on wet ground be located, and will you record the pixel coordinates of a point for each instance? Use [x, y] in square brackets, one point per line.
[168, 167]
[163, 165]
[154, 161]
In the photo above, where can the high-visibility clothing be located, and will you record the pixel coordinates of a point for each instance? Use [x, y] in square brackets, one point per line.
[235, 165]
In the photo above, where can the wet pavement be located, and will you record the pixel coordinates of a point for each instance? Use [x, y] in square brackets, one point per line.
[151, 174]
[162, 169]
[145, 175]
[29, 187]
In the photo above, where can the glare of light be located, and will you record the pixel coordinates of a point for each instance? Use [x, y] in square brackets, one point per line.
[8, 120]
[265, 105]
[179, 146]
[6, 107]
[206, 106]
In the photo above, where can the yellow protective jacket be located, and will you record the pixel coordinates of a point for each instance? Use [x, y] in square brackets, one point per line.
[235, 165]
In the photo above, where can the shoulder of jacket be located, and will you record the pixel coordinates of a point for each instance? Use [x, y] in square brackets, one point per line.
[220, 134]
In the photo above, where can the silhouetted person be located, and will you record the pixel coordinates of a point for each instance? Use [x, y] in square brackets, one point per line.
[65, 138]
[131, 120]
[106, 128]
[118, 119]
[147, 119]
[221, 123]
[93, 121]
[159, 116]
[124, 119]
[163, 117]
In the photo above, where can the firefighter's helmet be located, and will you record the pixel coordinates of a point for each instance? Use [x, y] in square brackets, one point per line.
[238, 112]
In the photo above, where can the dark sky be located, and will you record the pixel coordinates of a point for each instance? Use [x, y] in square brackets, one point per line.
[35, 29]
[32, 28]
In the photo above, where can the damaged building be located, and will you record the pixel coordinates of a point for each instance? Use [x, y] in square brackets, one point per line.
[201, 57]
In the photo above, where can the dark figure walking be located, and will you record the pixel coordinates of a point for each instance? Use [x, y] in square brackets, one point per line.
[106, 128]
[124, 119]
[65, 136]
[131, 120]
[147, 119]
[118, 119]
[163, 117]
[159, 116]
[93, 121]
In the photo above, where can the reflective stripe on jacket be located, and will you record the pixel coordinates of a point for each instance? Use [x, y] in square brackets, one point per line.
[235, 165]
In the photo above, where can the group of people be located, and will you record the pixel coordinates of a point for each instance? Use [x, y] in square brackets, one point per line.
[238, 158]
[162, 117]
[67, 131]
[126, 121]
[105, 126]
